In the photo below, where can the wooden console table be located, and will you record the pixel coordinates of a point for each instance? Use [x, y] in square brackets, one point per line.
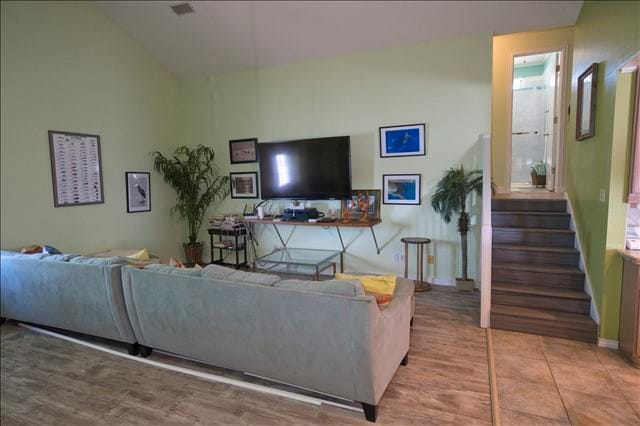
[337, 224]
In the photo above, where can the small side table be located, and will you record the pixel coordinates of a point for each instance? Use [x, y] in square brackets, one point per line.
[420, 283]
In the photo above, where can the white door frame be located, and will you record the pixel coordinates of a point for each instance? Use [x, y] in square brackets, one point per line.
[562, 117]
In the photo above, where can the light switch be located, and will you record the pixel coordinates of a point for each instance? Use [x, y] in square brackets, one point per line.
[603, 195]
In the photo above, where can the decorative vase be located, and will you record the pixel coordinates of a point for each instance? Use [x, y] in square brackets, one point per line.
[193, 252]
[465, 285]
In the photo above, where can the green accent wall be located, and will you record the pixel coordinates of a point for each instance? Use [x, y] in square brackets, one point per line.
[354, 95]
[528, 71]
[66, 66]
[606, 33]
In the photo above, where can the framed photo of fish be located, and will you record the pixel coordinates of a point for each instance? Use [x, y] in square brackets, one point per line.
[401, 189]
[138, 191]
[403, 141]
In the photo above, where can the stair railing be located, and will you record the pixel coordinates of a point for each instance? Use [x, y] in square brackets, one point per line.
[486, 234]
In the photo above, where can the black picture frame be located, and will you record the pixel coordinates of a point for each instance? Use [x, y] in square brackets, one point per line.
[233, 185]
[417, 177]
[590, 131]
[235, 145]
[59, 166]
[422, 140]
[146, 191]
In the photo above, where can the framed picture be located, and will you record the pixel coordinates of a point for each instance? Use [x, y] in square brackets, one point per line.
[403, 141]
[76, 169]
[138, 191]
[586, 108]
[401, 189]
[351, 204]
[244, 185]
[243, 151]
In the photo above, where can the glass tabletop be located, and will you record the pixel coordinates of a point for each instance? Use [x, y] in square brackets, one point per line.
[299, 256]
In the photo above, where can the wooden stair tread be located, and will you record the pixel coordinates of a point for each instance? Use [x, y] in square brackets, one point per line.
[557, 317]
[525, 289]
[532, 247]
[530, 213]
[569, 270]
[517, 229]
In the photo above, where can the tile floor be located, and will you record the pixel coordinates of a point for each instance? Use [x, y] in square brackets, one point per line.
[549, 381]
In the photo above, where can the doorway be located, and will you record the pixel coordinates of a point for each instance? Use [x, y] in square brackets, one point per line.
[536, 100]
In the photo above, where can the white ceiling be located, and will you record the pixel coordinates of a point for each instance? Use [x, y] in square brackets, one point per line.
[223, 36]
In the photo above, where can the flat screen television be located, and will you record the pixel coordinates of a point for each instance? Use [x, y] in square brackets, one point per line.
[308, 169]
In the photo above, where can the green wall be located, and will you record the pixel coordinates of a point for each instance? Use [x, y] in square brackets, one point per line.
[606, 33]
[66, 66]
[354, 95]
[528, 71]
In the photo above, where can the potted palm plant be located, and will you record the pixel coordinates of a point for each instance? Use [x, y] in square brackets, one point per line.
[450, 198]
[194, 177]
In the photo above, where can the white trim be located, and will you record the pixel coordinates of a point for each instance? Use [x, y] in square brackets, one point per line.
[442, 281]
[562, 117]
[630, 64]
[593, 311]
[608, 343]
[195, 373]
[486, 234]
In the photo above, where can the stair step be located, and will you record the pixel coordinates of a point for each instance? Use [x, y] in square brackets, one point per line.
[537, 254]
[529, 204]
[551, 298]
[522, 219]
[539, 275]
[534, 236]
[544, 322]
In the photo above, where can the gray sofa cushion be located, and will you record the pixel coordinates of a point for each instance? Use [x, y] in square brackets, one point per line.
[350, 288]
[35, 256]
[59, 257]
[168, 269]
[217, 272]
[99, 261]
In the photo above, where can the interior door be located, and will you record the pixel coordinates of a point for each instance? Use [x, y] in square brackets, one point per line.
[552, 122]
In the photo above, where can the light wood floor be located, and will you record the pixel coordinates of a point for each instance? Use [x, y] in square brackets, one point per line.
[50, 381]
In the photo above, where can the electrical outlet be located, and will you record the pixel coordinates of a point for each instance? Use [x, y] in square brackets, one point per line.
[603, 195]
[431, 260]
[398, 257]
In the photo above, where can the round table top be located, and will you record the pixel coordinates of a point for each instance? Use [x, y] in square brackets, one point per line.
[415, 240]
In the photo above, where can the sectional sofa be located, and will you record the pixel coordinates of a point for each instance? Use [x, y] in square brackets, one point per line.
[325, 336]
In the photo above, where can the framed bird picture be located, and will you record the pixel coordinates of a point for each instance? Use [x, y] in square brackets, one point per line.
[138, 192]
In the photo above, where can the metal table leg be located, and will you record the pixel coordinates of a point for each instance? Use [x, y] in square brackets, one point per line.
[373, 233]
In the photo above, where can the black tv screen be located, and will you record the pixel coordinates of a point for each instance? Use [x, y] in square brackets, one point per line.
[308, 169]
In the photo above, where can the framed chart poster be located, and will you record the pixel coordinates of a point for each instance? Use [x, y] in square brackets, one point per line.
[76, 169]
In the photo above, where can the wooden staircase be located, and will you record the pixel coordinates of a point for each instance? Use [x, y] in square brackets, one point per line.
[537, 286]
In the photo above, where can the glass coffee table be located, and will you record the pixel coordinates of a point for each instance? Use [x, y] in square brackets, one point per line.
[315, 260]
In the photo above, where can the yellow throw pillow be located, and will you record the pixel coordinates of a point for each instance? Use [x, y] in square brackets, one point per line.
[141, 255]
[380, 284]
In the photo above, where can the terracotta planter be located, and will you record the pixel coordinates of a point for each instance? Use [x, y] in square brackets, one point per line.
[193, 252]
[538, 180]
[465, 285]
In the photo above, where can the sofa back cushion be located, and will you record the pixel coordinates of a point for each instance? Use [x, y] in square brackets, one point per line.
[99, 261]
[349, 288]
[218, 272]
[168, 269]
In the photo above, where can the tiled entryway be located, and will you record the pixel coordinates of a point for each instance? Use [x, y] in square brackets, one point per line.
[545, 380]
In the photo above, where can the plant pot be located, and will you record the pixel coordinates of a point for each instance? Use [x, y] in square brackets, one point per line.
[193, 252]
[465, 285]
[538, 180]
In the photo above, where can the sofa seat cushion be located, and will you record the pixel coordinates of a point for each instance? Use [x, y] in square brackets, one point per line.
[349, 288]
[217, 272]
[59, 257]
[35, 256]
[99, 261]
[168, 269]
[223, 273]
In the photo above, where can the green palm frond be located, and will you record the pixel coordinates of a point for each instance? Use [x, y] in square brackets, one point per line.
[193, 175]
[451, 192]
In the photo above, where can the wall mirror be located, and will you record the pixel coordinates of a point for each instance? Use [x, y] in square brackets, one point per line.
[586, 114]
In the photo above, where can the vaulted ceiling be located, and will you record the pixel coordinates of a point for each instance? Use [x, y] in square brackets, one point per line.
[224, 36]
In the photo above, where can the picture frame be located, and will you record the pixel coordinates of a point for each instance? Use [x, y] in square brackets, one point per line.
[586, 105]
[244, 185]
[351, 204]
[76, 168]
[408, 140]
[243, 151]
[402, 189]
[138, 185]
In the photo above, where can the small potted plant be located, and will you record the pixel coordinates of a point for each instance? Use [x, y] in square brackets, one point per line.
[539, 174]
[193, 175]
[450, 198]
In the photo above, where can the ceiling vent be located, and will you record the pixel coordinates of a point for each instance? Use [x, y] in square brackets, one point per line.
[182, 9]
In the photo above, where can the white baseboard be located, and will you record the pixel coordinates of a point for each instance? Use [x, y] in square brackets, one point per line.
[608, 343]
